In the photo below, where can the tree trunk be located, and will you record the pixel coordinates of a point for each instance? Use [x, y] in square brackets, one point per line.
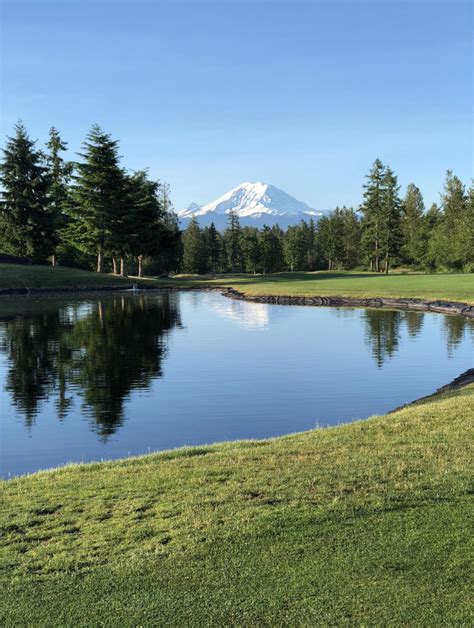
[122, 267]
[140, 265]
[99, 260]
[53, 260]
[386, 265]
[114, 265]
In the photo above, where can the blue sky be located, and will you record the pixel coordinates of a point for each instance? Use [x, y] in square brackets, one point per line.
[304, 95]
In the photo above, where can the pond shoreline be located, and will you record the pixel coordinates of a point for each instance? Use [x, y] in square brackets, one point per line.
[419, 305]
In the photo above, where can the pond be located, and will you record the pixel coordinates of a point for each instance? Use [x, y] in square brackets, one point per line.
[87, 378]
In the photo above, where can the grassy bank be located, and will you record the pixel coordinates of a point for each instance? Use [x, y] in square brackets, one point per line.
[453, 287]
[364, 523]
[16, 276]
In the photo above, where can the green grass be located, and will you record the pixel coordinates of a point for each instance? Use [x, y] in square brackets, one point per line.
[18, 276]
[454, 287]
[364, 524]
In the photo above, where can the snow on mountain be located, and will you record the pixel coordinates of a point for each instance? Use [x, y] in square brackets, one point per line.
[255, 204]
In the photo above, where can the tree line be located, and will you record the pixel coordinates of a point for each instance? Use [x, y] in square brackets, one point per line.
[386, 230]
[94, 212]
[55, 209]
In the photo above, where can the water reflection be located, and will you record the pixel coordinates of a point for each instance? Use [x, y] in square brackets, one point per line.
[383, 330]
[101, 350]
[244, 313]
[86, 356]
[456, 328]
[382, 333]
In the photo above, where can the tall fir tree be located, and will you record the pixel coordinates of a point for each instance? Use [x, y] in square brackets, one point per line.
[144, 225]
[351, 233]
[214, 248]
[98, 199]
[25, 221]
[194, 250]
[295, 247]
[371, 210]
[60, 172]
[446, 249]
[271, 249]
[330, 238]
[232, 236]
[250, 249]
[413, 227]
[390, 237]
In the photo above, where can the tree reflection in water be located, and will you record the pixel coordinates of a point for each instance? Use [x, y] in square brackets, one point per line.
[101, 350]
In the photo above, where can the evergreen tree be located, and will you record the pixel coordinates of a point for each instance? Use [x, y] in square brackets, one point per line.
[295, 247]
[194, 250]
[351, 234]
[214, 248]
[446, 249]
[99, 200]
[467, 232]
[390, 237]
[330, 233]
[311, 247]
[271, 249]
[232, 237]
[144, 226]
[250, 249]
[59, 177]
[371, 210]
[413, 227]
[25, 222]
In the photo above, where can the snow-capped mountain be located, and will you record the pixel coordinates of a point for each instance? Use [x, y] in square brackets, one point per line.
[255, 203]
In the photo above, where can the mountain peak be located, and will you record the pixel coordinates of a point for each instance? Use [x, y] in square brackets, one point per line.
[252, 201]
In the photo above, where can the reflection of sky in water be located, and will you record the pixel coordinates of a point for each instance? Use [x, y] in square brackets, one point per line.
[92, 378]
[244, 313]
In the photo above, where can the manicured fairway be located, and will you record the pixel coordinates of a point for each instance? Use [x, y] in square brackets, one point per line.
[362, 524]
[454, 287]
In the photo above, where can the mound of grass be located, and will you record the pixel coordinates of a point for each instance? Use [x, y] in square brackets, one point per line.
[361, 524]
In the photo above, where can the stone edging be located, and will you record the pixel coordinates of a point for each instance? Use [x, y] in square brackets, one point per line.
[441, 307]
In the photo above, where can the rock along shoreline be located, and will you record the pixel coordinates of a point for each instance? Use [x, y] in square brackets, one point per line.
[418, 305]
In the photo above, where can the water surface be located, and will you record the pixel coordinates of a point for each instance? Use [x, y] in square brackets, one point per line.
[91, 378]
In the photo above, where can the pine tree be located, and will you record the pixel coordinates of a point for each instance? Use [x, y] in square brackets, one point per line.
[413, 227]
[295, 247]
[232, 236]
[194, 250]
[446, 249]
[311, 247]
[330, 232]
[250, 249]
[371, 210]
[60, 174]
[214, 248]
[390, 237]
[99, 198]
[144, 226]
[351, 234]
[25, 222]
[271, 249]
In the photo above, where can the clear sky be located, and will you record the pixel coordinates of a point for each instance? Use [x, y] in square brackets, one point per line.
[304, 95]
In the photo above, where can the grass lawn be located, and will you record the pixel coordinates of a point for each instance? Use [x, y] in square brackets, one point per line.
[454, 287]
[361, 524]
[18, 276]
